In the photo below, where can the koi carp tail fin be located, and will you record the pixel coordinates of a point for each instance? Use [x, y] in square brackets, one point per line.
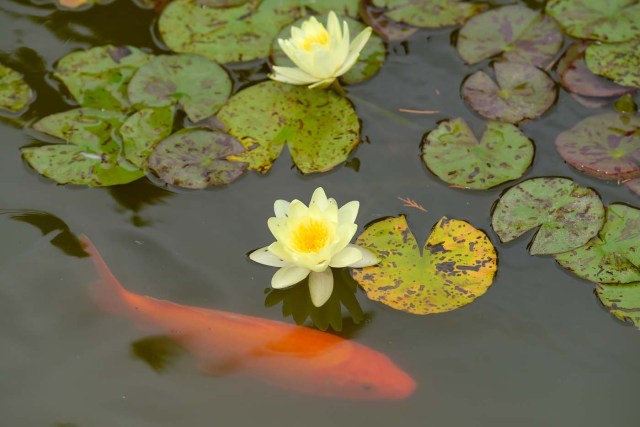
[107, 291]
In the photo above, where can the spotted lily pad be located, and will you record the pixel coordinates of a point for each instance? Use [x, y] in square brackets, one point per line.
[619, 62]
[197, 84]
[197, 159]
[15, 93]
[452, 152]
[604, 20]
[369, 63]
[522, 92]
[386, 28]
[231, 34]
[606, 146]
[142, 131]
[623, 301]
[568, 216]
[429, 13]
[92, 153]
[524, 35]
[98, 77]
[341, 7]
[457, 265]
[320, 127]
[613, 256]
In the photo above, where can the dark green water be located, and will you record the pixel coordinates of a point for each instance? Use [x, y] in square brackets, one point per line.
[536, 350]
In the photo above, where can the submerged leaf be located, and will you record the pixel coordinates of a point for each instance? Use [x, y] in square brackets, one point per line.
[429, 13]
[15, 93]
[619, 62]
[568, 216]
[623, 301]
[159, 352]
[457, 266]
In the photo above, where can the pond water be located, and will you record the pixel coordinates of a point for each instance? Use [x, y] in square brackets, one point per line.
[536, 349]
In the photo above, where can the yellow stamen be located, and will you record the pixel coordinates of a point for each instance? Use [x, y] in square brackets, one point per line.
[310, 236]
[320, 37]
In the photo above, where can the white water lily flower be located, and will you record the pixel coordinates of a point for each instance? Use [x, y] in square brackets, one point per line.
[310, 240]
[320, 54]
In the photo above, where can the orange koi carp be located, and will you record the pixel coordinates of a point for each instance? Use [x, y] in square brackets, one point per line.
[289, 356]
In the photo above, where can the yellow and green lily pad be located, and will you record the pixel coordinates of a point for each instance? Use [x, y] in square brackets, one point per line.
[452, 152]
[567, 215]
[623, 301]
[320, 127]
[613, 256]
[429, 13]
[341, 7]
[143, 130]
[98, 77]
[519, 33]
[457, 265]
[619, 62]
[197, 84]
[15, 93]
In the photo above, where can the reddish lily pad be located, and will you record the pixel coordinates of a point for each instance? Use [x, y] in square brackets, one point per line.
[197, 84]
[429, 13]
[623, 301]
[568, 216]
[142, 131]
[614, 255]
[524, 35]
[452, 152]
[522, 92]
[619, 62]
[605, 20]
[15, 93]
[197, 159]
[457, 265]
[320, 127]
[606, 146]
[386, 28]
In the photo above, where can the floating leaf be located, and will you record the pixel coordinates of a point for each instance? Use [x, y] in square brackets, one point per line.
[606, 146]
[320, 127]
[524, 35]
[386, 28]
[429, 13]
[619, 62]
[15, 93]
[605, 20]
[159, 352]
[522, 92]
[98, 77]
[197, 159]
[92, 156]
[142, 131]
[457, 266]
[341, 7]
[369, 63]
[198, 85]
[230, 34]
[568, 215]
[452, 152]
[614, 255]
[625, 104]
[623, 301]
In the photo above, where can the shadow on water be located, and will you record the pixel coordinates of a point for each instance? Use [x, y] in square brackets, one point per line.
[135, 196]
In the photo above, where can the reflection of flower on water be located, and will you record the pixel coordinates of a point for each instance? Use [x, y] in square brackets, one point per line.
[310, 240]
[320, 54]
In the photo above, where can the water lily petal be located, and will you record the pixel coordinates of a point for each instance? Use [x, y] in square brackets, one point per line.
[297, 209]
[347, 213]
[346, 257]
[348, 63]
[279, 227]
[320, 286]
[278, 250]
[333, 26]
[319, 198]
[281, 208]
[368, 258]
[264, 256]
[288, 276]
[360, 40]
[322, 83]
[291, 75]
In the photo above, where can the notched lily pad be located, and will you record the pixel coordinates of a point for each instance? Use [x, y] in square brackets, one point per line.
[197, 159]
[386, 28]
[143, 130]
[320, 127]
[614, 255]
[522, 92]
[457, 265]
[197, 84]
[619, 62]
[98, 77]
[452, 152]
[623, 301]
[606, 146]
[341, 7]
[429, 13]
[15, 93]
[521, 34]
[568, 216]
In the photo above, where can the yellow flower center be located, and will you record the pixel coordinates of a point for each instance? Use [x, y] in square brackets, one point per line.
[310, 236]
[320, 37]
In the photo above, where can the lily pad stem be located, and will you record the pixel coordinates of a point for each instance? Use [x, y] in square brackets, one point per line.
[338, 88]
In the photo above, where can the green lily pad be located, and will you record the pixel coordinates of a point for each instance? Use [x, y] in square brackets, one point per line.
[625, 104]
[452, 152]
[15, 93]
[369, 63]
[232, 34]
[386, 28]
[522, 92]
[568, 215]
[604, 20]
[197, 159]
[521, 34]
[429, 13]
[634, 185]
[320, 127]
[198, 85]
[614, 255]
[457, 265]
[606, 146]
[619, 62]
[142, 131]
[341, 7]
[98, 77]
[623, 301]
